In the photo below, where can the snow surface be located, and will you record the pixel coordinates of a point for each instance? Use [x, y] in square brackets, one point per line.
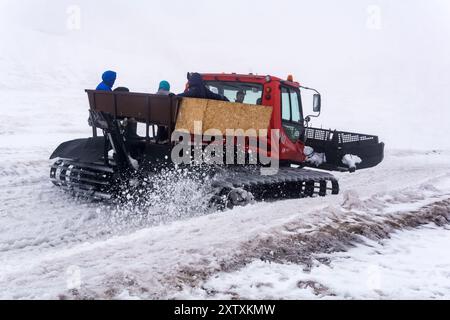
[313, 157]
[45, 232]
[390, 269]
[351, 160]
[381, 82]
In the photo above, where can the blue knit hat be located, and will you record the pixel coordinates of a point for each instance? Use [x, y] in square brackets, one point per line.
[109, 77]
[164, 85]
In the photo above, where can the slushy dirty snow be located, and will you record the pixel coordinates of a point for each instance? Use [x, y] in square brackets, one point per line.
[410, 265]
[351, 160]
[313, 157]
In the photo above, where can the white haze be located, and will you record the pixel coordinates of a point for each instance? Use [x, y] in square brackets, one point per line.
[392, 82]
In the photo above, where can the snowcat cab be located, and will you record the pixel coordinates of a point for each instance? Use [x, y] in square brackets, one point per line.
[328, 149]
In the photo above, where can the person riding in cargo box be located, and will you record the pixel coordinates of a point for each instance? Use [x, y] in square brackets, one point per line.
[109, 78]
[163, 132]
[164, 88]
[130, 124]
[197, 89]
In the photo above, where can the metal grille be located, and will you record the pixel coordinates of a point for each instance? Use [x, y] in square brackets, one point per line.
[343, 137]
[317, 134]
[350, 137]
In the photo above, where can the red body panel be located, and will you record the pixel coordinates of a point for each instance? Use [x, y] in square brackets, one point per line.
[289, 151]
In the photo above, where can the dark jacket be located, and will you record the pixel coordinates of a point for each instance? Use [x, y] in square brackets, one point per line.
[198, 89]
[109, 77]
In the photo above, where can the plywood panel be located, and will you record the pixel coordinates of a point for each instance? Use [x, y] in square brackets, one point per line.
[254, 117]
[191, 110]
[222, 115]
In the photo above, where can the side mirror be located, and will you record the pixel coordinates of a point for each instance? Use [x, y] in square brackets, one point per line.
[317, 103]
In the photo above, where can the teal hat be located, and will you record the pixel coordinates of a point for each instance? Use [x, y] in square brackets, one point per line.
[164, 85]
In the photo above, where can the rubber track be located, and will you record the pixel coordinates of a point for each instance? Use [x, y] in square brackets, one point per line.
[97, 181]
[286, 183]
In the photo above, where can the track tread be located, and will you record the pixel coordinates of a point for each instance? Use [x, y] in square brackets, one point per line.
[95, 179]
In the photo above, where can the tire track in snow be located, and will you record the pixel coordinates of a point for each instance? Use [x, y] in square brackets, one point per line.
[303, 244]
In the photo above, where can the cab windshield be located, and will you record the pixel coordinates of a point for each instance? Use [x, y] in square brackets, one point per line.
[241, 92]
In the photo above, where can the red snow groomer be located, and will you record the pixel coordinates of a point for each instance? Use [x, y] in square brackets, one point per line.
[254, 147]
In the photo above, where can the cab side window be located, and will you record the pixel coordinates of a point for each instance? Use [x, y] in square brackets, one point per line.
[285, 104]
[291, 113]
[295, 107]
